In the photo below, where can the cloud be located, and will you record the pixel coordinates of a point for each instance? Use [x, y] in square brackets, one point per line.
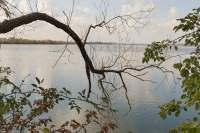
[83, 10]
[23, 6]
[44, 6]
[172, 12]
[157, 30]
[30, 6]
[137, 5]
[84, 15]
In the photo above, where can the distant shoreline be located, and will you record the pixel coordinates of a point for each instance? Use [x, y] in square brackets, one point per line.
[97, 44]
[20, 41]
[89, 43]
[13, 40]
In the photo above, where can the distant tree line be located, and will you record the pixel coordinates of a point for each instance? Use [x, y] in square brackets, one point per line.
[13, 40]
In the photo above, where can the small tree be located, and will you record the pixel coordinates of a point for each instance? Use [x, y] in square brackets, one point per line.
[189, 69]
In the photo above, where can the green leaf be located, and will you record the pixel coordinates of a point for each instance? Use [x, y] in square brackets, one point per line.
[163, 115]
[46, 130]
[178, 66]
[34, 85]
[184, 72]
[37, 79]
[177, 113]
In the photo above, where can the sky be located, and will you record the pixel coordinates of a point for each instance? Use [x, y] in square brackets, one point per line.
[158, 25]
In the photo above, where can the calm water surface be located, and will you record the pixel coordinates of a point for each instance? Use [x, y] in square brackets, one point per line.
[38, 60]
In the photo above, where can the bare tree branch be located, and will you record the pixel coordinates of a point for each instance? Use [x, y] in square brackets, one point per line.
[124, 19]
[11, 24]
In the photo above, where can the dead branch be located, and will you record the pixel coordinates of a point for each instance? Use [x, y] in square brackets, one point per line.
[124, 19]
[9, 25]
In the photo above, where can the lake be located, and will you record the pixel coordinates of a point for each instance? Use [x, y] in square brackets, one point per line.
[145, 97]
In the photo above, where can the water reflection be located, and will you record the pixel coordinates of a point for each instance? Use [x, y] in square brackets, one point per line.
[145, 97]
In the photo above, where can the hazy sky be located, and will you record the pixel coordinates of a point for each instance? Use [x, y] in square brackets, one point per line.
[158, 25]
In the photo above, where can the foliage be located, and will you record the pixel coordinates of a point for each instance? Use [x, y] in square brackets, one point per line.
[22, 109]
[187, 127]
[156, 51]
[189, 69]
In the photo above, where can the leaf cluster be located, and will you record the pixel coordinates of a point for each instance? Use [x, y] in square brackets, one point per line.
[189, 69]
